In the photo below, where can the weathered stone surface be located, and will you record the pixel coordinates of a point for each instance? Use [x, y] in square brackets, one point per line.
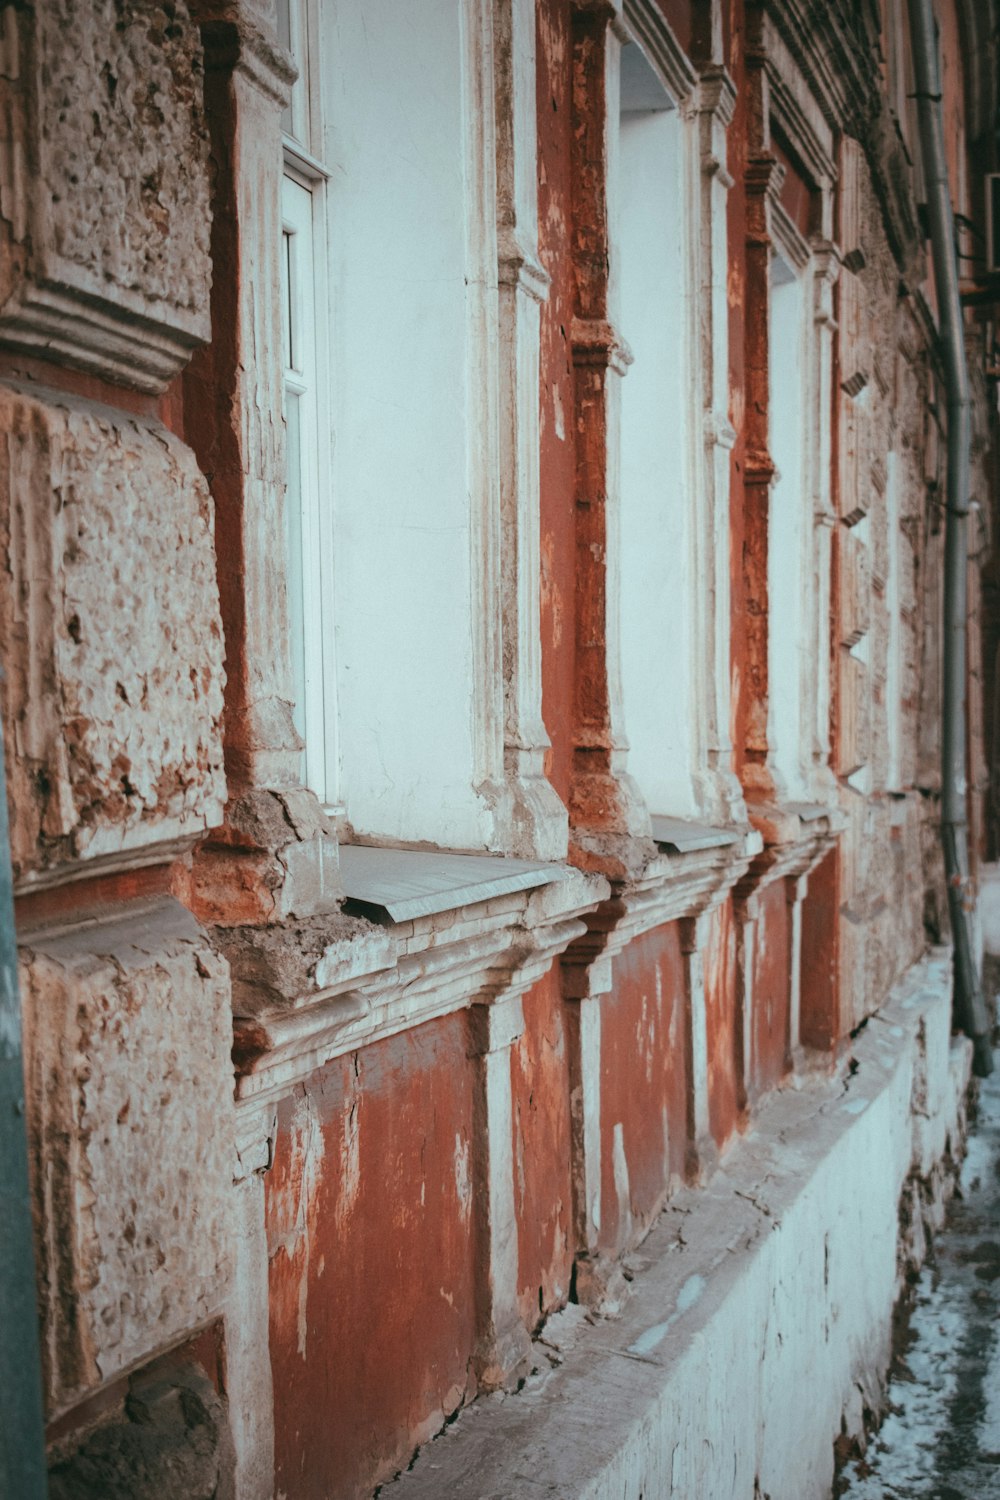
[758, 1304]
[170, 1441]
[129, 1097]
[109, 618]
[288, 965]
[105, 220]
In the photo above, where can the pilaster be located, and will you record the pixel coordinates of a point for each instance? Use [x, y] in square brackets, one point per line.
[496, 1023]
[537, 824]
[276, 854]
[713, 104]
[503, 1344]
[609, 823]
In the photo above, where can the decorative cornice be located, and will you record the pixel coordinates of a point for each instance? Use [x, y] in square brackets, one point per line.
[597, 344]
[649, 27]
[804, 136]
[671, 887]
[237, 44]
[717, 94]
[825, 259]
[835, 54]
[795, 840]
[349, 983]
[759, 468]
[790, 240]
[765, 177]
[518, 267]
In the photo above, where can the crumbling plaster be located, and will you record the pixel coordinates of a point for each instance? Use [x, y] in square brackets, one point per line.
[131, 1127]
[103, 174]
[760, 1305]
[109, 624]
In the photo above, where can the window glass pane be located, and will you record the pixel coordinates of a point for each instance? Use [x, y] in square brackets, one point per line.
[293, 552]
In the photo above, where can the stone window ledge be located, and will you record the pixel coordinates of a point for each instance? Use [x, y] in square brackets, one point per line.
[307, 991]
[796, 835]
[683, 836]
[406, 884]
[694, 868]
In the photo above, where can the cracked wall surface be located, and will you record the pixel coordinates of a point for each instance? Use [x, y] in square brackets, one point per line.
[103, 174]
[131, 1128]
[109, 621]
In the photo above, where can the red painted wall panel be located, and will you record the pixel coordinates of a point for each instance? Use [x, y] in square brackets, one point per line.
[558, 453]
[644, 1085]
[542, 1145]
[736, 225]
[369, 1230]
[720, 1024]
[771, 990]
[820, 1021]
[796, 196]
[679, 14]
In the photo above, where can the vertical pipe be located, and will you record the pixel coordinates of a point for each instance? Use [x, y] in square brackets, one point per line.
[969, 1006]
[22, 1430]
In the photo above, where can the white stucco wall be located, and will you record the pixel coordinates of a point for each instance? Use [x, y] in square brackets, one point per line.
[407, 281]
[761, 1305]
[658, 408]
[788, 644]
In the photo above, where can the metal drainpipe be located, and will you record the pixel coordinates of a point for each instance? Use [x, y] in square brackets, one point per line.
[22, 1428]
[970, 1008]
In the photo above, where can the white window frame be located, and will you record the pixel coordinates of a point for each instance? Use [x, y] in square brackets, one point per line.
[791, 265]
[305, 302]
[646, 659]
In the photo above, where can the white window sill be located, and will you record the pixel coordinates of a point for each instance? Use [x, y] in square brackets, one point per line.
[409, 883]
[683, 836]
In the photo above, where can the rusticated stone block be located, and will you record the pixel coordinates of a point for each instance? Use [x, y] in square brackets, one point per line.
[110, 630]
[104, 233]
[129, 1087]
[169, 1440]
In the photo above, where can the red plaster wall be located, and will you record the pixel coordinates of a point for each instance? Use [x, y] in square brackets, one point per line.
[771, 991]
[953, 101]
[820, 1011]
[680, 15]
[719, 963]
[644, 1083]
[796, 195]
[369, 1230]
[542, 1145]
[736, 159]
[558, 463]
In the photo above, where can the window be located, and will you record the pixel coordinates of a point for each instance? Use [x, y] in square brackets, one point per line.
[308, 538]
[390, 297]
[658, 429]
[790, 525]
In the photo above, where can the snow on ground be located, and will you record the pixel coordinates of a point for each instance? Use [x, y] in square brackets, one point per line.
[941, 1437]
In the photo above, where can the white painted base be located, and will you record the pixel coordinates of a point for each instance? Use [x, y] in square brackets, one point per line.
[761, 1307]
[989, 908]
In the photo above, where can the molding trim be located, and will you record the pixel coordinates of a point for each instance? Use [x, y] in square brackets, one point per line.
[54, 319]
[717, 95]
[103, 295]
[348, 989]
[239, 45]
[597, 344]
[647, 25]
[834, 55]
[804, 128]
[790, 240]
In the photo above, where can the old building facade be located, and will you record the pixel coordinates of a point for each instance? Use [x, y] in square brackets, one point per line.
[473, 478]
